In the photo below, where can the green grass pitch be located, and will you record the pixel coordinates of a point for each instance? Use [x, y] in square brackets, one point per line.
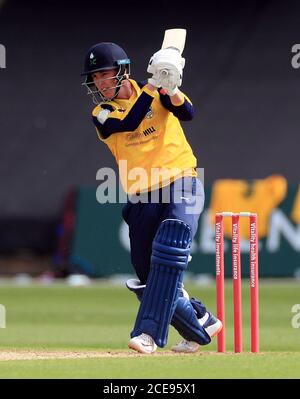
[58, 331]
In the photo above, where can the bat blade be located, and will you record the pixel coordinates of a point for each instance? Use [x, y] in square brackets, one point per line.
[174, 38]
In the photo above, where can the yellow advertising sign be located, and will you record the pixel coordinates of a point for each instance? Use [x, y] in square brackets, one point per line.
[260, 196]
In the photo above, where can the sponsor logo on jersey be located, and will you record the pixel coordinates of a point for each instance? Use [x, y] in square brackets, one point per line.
[149, 131]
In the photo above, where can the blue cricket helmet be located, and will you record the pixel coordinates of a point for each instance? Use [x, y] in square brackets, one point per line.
[103, 56]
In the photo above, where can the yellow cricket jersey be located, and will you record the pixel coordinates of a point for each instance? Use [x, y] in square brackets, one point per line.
[145, 136]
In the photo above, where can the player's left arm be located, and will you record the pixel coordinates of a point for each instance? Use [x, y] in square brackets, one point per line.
[179, 104]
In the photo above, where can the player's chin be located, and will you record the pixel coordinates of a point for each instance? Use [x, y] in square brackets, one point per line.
[108, 93]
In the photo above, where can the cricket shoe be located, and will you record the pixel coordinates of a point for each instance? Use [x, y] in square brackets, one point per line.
[143, 343]
[212, 326]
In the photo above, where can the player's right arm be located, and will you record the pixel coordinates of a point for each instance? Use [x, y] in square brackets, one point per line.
[179, 104]
[166, 66]
[109, 120]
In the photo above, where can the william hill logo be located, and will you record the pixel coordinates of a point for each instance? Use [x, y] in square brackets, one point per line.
[138, 135]
[149, 131]
[2, 56]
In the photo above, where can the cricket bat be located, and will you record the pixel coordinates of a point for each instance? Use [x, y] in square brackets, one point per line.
[174, 38]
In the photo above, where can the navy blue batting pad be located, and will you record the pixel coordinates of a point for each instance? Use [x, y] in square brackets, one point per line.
[185, 317]
[170, 251]
[185, 321]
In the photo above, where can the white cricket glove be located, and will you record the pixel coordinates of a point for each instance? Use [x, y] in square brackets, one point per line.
[154, 81]
[166, 66]
[169, 80]
[166, 58]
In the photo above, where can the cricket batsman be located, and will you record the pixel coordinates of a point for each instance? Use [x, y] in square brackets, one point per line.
[140, 124]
